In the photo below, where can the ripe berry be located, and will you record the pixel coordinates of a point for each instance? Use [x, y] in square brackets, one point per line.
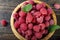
[31, 2]
[37, 14]
[47, 24]
[47, 18]
[19, 30]
[30, 26]
[33, 11]
[29, 18]
[46, 31]
[43, 11]
[57, 6]
[3, 22]
[38, 35]
[16, 24]
[22, 14]
[43, 4]
[51, 22]
[36, 28]
[38, 6]
[49, 11]
[21, 20]
[40, 20]
[42, 26]
[28, 32]
[33, 38]
[16, 16]
[23, 26]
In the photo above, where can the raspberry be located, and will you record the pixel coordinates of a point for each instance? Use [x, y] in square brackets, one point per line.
[23, 26]
[31, 2]
[34, 20]
[23, 33]
[16, 24]
[3, 22]
[34, 7]
[27, 37]
[37, 14]
[36, 28]
[43, 4]
[49, 11]
[30, 26]
[47, 18]
[38, 6]
[43, 31]
[25, 3]
[16, 16]
[57, 6]
[42, 26]
[19, 30]
[43, 11]
[46, 31]
[51, 22]
[33, 11]
[21, 20]
[40, 20]
[22, 14]
[47, 24]
[29, 18]
[38, 35]
[33, 38]
[28, 32]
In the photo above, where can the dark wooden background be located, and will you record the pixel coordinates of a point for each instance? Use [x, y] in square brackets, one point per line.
[6, 8]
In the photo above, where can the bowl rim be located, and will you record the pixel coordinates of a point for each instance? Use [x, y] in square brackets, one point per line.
[15, 31]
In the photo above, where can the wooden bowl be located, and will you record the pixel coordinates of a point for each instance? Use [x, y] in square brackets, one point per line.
[15, 31]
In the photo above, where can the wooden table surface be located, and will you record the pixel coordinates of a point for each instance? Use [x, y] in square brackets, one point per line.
[6, 8]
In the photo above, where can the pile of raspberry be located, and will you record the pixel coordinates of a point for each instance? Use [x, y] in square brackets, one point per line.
[34, 24]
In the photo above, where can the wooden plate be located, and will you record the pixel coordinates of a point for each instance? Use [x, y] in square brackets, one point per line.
[15, 31]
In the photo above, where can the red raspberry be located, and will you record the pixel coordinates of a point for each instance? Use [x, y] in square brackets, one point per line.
[42, 26]
[29, 18]
[16, 16]
[16, 24]
[51, 22]
[28, 32]
[49, 11]
[23, 33]
[19, 30]
[38, 6]
[47, 24]
[23, 26]
[37, 14]
[57, 6]
[33, 38]
[36, 28]
[21, 20]
[43, 4]
[43, 11]
[25, 3]
[47, 18]
[34, 20]
[3, 22]
[40, 20]
[30, 26]
[31, 2]
[43, 31]
[27, 37]
[46, 31]
[33, 11]
[34, 7]
[22, 14]
[38, 35]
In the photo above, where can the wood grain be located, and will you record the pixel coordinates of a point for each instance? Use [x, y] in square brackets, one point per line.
[6, 8]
